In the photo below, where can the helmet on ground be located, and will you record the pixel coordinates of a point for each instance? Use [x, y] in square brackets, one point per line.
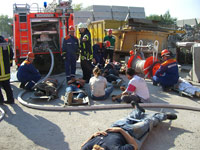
[110, 31]
[31, 55]
[107, 43]
[165, 52]
[82, 25]
[71, 28]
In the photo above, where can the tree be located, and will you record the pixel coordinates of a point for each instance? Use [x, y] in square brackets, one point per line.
[77, 7]
[165, 19]
[6, 26]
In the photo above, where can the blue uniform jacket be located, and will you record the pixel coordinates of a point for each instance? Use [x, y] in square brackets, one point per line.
[27, 72]
[168, 72]
[70, 45]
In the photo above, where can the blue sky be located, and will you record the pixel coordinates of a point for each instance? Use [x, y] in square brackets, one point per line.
[180, 9]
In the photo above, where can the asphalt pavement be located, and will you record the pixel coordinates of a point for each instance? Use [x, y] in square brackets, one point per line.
[24, 128]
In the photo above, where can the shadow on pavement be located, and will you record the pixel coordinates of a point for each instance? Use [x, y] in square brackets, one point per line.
[162, 137]
[36, 128]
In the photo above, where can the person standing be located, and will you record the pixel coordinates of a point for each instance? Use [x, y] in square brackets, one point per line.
[27, 74]
[70, 49]
[6, 57]
[167, 75]
[109, 50]
[86, 51]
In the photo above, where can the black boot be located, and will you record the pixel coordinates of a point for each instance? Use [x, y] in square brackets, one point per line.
[136, 105]
[171, 116]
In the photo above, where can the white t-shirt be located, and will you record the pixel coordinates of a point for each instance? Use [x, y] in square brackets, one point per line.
[138, 86]
[98, 85]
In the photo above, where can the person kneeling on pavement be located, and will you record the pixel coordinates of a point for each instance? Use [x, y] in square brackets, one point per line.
[128, 133]
[27, 74]
[167, 75]
[137, 89]
[74, 87]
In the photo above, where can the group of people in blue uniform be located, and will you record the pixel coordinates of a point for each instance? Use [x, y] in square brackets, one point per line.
[90, 56]
[167, 75]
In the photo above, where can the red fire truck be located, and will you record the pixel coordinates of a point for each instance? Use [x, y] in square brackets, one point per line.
[35, 30]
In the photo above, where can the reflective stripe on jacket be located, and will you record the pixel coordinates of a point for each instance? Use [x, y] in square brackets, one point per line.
[6, 57]
[86, 48]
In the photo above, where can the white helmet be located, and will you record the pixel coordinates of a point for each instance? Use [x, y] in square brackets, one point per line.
[82, 25]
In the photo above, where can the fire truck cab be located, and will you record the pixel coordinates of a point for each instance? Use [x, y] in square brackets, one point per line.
[35, 30]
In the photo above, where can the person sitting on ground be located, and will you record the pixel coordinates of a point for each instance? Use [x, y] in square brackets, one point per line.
[27, 74]
[98, 86]
[74, 87]
[128, 133]
[167, 75]
[111, 73]
[137, 89]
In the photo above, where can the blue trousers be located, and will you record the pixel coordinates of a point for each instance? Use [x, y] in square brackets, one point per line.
[30, 80]
[70, 66]
[73, 88]
[108, 91]
[163, 82]
[138, 124]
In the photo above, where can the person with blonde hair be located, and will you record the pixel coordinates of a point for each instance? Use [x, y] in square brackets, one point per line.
[98, 86]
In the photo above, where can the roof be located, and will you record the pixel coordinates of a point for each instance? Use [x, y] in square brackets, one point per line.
[192, 22]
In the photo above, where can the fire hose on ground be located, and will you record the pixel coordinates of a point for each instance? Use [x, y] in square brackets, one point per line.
[101, 107]
[98, 107]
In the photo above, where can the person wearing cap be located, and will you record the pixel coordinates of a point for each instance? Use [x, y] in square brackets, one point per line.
[27, 74]
[167, 75]
[86, 51]
[6, 57]
[110, 49]
[70, 49]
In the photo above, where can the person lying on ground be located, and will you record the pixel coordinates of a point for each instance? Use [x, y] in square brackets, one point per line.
[98, 86]
[128, 133]
[137, 89]
[185, 86]
[75, 85]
